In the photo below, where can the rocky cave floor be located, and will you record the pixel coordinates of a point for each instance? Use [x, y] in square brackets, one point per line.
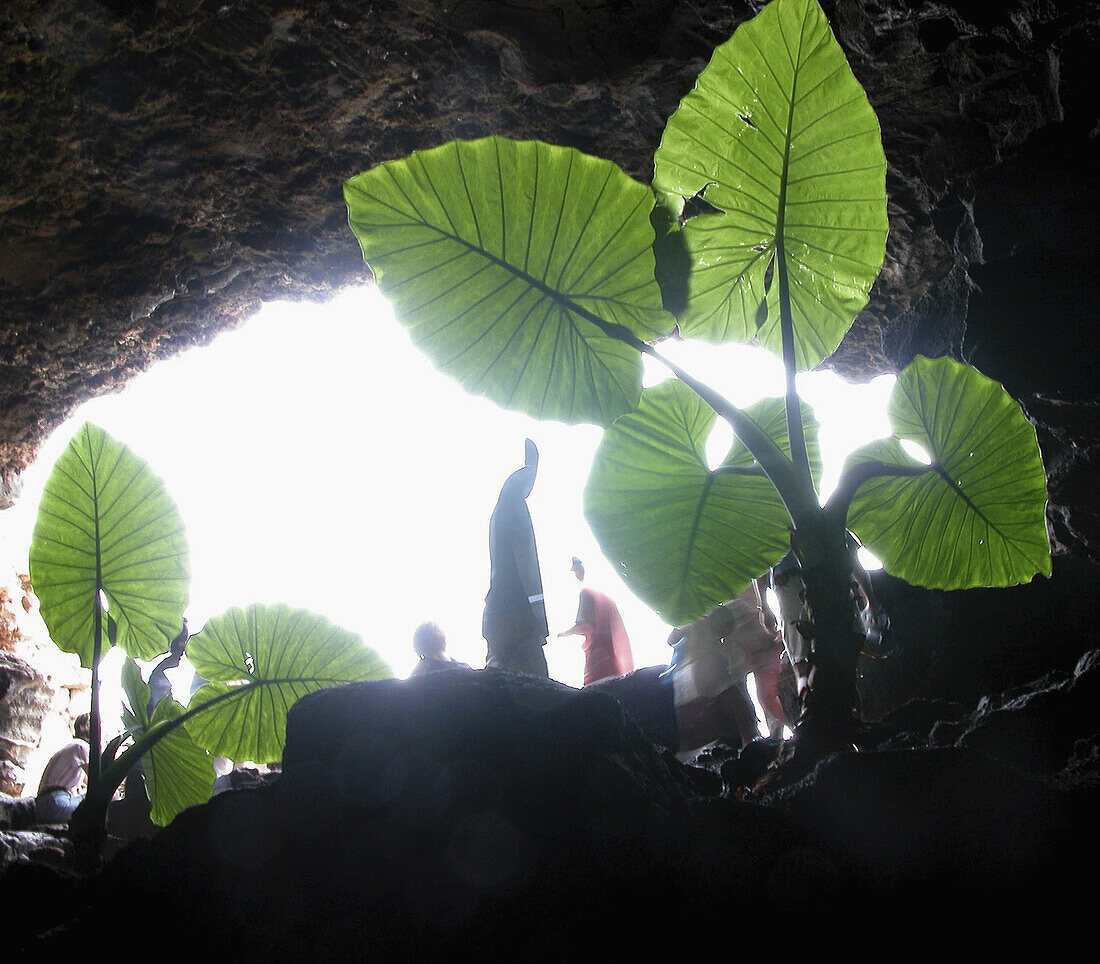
[481, 812]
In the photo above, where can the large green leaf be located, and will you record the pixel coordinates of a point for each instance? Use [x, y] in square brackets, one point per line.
[779, 137]
[496, 253]
[178, 774]
[979, 519]
[261, 660]
[685, 537]
[107, 523]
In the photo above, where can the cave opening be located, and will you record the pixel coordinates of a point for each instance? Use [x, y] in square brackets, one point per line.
[319, 460]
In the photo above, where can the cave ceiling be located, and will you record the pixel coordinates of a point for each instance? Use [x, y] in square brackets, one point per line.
[169, 165]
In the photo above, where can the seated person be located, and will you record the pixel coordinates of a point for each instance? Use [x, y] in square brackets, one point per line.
[431, 646]
[60, 791]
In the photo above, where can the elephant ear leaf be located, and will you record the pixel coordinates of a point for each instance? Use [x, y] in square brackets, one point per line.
[979, 517]
[261, 660]
[501, 256]
[779, 139]
[685, 537]
[106, 523]
[178, 774]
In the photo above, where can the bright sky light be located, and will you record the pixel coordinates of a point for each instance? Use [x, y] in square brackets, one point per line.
[319, 460]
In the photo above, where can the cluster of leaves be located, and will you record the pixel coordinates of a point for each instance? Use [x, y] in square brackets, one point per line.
[109, 552]
[535, 276]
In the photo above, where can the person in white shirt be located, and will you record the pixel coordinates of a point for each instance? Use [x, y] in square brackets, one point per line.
[61, 789]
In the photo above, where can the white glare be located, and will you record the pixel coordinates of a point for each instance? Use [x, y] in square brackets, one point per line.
[761, 716]
[916, 452]
[718, 444]
[771, 600]
[319, 460]
[868, 559]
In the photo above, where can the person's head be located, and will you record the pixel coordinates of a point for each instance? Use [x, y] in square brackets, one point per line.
[522, 481]
[82, 726]
[428, 640]
[578, 568]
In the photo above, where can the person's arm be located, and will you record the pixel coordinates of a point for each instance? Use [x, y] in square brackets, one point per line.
[586, 616]
[82, 762]
[767, 617]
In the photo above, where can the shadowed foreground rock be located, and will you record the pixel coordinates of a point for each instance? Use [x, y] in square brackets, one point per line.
[484, 813]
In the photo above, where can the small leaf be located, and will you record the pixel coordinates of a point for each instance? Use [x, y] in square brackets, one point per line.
[106, 522]
[261, 660]
[496, 255]
[778, 135]
[178, 774]
[685, 537]
[980, 519]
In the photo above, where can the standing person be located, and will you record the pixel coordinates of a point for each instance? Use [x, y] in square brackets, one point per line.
[712, 658]
[514, 623]
[61, 789]
[431, 646]
[606, 645]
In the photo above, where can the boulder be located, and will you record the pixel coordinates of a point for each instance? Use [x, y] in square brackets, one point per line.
[483, 813]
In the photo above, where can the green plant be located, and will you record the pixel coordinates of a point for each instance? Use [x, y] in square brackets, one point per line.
[538, 276]
[109, 564]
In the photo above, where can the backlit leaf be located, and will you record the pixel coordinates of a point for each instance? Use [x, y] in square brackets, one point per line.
[178, 774]
[106, 522]
[980, 519]
[779, 137]
[682, 536]
[261, 660]
[496, 254]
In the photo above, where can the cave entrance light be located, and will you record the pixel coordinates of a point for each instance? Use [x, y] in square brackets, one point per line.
[318, 459]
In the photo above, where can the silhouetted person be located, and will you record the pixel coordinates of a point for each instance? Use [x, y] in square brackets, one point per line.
[606, 645]
[431, 646]
[61, 788]
[712, 657]
[514, 623]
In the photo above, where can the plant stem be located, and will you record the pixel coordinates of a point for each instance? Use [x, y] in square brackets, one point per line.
[95, 726]
[854, 476]
[796, 432]
[770, 456]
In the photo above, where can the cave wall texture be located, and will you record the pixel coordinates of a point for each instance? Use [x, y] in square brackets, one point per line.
[165, 165]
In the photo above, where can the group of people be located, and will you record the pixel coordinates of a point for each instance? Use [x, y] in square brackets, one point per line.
[514, 623]
[711, 657]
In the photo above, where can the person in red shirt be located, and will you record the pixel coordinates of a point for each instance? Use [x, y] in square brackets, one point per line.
[606, 645]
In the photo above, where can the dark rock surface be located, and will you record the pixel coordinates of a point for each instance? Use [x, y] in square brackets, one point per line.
[963, 645]
[483, 813]
[25, 699]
